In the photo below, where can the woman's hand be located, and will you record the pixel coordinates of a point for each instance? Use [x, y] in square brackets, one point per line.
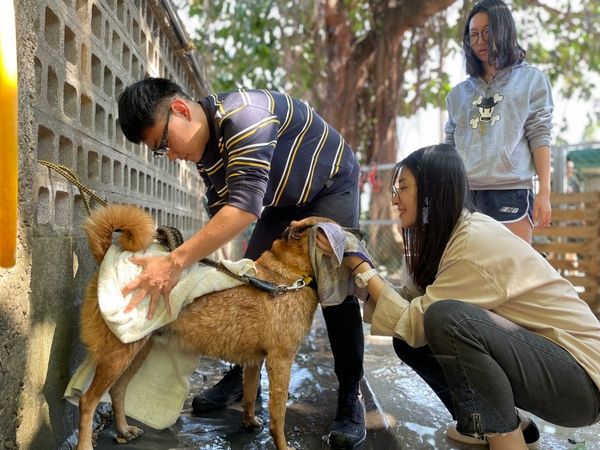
[324, 244]
[160, 275]
[542, 211]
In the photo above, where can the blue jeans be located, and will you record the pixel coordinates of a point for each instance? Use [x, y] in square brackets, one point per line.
[481, 366]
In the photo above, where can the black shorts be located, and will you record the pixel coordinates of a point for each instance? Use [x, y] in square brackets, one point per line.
[506, 206]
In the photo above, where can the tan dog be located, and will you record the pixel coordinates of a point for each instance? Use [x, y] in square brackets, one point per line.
[241, 324]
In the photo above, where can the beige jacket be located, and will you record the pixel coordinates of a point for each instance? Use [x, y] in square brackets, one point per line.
[486, 265]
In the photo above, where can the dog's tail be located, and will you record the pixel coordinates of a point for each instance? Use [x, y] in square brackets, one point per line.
[136, 226]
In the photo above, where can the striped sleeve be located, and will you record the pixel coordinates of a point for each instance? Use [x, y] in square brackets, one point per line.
[250, 137]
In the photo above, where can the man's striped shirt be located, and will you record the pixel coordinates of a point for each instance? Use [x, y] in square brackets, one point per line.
[269, 149]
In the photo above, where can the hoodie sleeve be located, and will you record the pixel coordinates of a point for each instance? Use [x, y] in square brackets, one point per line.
[538, 126]
[450, 125]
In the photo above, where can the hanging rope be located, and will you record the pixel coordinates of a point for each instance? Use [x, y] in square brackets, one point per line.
[69, 175]
[172, 238]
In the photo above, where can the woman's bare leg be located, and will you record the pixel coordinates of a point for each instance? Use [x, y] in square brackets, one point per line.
[521, 228]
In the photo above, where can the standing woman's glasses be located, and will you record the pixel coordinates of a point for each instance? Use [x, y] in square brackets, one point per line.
[473, 37]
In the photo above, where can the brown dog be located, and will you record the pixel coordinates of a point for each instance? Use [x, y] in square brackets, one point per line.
[241, 324]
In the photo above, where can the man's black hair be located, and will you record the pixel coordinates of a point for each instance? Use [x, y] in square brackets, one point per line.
[140, 102]
[503, 48]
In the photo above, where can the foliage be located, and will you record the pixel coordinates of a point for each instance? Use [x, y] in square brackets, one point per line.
[246, 41]
[287, 45]
[564, 39]
[252, 44]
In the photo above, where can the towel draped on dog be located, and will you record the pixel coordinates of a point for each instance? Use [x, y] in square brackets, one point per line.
[116, 271]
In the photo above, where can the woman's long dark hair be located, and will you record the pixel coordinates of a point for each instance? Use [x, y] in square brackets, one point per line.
[503, 48]
[442, 195]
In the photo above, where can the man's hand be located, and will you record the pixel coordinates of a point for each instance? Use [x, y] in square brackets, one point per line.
[160, 275]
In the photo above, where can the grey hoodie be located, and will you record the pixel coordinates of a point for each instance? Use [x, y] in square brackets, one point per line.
[496, 126]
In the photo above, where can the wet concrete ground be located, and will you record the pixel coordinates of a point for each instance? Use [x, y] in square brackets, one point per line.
[402, 412]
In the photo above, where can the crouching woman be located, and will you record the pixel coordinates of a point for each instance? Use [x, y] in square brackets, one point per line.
[492, 325]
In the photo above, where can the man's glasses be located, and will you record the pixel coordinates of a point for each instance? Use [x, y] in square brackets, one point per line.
[163, 147]
[473, 37]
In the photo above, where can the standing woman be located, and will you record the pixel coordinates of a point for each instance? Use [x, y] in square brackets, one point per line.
[499, 120]
[491, 325]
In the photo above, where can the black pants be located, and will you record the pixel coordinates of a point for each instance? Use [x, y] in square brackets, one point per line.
[344, 322]
[481, 366]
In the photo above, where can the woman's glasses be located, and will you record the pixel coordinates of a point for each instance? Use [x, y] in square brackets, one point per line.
[473, 37]
[396, 190]
[163, 147]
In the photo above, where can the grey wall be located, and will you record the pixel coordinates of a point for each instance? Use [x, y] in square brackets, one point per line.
[74, 57]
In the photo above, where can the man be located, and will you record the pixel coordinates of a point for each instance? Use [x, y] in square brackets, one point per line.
[262, 155]
[572, 181]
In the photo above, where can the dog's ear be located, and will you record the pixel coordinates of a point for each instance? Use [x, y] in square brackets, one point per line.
[297, 232]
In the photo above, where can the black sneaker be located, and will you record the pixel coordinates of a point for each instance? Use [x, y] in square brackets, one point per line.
[531, 433]
[348, 429]
[227, 391]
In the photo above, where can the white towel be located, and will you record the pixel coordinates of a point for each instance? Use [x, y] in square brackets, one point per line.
[156, 393]
[116, 271]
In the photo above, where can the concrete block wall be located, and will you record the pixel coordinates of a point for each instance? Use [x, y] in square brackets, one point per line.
[74, 58]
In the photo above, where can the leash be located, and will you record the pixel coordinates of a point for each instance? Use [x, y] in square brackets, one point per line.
[172, 238]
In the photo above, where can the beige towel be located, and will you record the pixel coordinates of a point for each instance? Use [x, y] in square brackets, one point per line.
[155, 394]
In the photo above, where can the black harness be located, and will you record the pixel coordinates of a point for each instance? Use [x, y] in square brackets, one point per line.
[171, 237]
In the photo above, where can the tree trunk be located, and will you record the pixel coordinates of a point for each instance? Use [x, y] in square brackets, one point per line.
[365, 82]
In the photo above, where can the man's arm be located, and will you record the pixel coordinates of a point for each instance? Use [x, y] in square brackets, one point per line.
[161, 273]
[222, 228]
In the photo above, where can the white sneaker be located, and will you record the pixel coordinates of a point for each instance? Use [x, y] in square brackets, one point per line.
[454, 434]
[530, 433]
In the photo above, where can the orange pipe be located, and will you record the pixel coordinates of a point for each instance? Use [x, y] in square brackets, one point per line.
[9, 149]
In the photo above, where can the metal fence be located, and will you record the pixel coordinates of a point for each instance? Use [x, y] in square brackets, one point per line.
[379, 221]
